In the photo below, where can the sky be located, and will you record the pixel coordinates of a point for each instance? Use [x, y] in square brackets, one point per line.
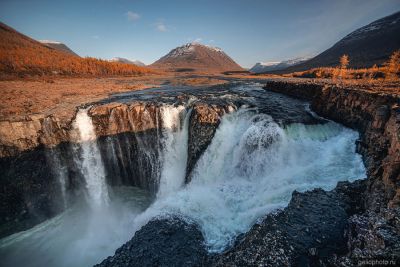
[249, 31]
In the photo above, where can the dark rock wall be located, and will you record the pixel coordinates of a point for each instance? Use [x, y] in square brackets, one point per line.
[373, 232]
[129, 142]
[204, 121]
[30, 191]
[377, 118]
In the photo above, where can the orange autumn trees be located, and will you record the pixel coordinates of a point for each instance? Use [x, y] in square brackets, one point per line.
[389, 70]
[22, 56]
[393, 66]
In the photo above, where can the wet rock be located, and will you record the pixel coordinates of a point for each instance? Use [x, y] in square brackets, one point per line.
[373, 232]
[132, 159]
[372, 237]
[204, 121]
[306, 233]
[375, 116]
[162, 242]
[29, 190]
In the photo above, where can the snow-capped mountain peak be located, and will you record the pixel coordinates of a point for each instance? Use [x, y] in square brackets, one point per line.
[196, 56]
[190, 48]
[124, 60]
[276, 65]
[49, 42]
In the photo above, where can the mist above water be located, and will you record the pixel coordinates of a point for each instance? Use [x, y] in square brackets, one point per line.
[81, 236]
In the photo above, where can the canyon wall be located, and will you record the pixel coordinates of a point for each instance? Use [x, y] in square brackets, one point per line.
[375, 115]
[38, 157]
[372, 230]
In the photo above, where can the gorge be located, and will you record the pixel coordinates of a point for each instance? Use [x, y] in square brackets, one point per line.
[216, 161]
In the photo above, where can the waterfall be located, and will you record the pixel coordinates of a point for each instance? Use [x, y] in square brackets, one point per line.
[175, 128]
[89, 160]
[55, 160]
[60, 171]
[251, 168]
[153, 156]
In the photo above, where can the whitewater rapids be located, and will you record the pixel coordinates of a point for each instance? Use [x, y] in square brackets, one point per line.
[251, 168]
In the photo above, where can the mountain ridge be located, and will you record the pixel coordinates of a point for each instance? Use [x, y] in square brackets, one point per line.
[366, 46]
[22, 56]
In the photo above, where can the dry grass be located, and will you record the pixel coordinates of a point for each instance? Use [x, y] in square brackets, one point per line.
[337, 73]
[390, 71]
[22, 98]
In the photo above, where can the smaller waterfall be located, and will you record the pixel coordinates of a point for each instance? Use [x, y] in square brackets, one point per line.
[60, 171]
[175, 128]
[90, 161]
[55, 160]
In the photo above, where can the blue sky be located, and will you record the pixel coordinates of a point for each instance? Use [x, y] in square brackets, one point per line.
[249, 31]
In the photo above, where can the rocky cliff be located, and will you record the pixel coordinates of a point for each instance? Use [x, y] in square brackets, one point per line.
[35, 153]
[373, 231]
[375, 115]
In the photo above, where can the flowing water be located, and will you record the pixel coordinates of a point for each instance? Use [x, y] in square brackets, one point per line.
[251, 168]
[89, 160]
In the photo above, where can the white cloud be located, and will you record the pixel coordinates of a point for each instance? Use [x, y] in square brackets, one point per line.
[161, 27]
[197, 40]
[132, 16]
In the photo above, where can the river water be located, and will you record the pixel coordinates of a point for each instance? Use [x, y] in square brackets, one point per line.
[266, 147]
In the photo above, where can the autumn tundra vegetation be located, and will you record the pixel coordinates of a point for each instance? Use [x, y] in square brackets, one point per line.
[389, 71]
[22, 56]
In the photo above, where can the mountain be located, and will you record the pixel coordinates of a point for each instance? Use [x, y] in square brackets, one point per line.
[262, 67]
[197, 57]
[22, 56]
[124, 60]
[366, 46]
[58, 46]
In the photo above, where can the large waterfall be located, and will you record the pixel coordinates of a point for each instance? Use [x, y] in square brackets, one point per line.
[251, 168]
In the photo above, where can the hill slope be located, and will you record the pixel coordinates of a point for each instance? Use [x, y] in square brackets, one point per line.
[23, 56]
[197, 57]
[366, 46]
[58, 46]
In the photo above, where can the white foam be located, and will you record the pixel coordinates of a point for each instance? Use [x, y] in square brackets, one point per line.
[251, 168]
[175, 121]
[89, 160]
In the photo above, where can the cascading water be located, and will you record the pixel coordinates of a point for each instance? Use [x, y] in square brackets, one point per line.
[174, 151]
[60, 171]
[82, 236]
[90, 161]
[251, 168]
